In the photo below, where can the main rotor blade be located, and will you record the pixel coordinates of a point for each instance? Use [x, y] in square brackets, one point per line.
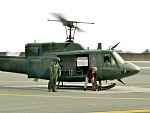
[62, 19]
[83, 22]
[79, 29]
[53, 20]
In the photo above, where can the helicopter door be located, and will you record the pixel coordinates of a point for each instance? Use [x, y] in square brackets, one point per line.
[96, 61]
[109, 69]
[92, 60]
[39, 67]
[44, 66]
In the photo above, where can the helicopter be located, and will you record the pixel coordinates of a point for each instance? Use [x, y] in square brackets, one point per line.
[75, 59]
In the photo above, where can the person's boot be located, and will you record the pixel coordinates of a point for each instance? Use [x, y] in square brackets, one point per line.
[54, 91]
[84, 89]
[49, 90]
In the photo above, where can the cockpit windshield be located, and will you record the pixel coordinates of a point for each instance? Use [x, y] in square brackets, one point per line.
[119, 60]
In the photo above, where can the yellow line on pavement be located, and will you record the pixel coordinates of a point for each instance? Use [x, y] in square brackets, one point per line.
[127, 111]
[78, 97]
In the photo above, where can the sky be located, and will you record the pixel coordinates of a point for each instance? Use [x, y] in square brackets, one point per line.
[124, 21]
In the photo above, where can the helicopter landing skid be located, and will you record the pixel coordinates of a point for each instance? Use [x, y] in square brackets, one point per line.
[108, 86]
[88, 87]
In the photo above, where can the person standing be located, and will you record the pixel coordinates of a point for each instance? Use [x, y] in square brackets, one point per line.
[90, 75]
[55, 72]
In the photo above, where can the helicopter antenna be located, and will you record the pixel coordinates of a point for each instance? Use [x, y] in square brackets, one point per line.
[70, 26]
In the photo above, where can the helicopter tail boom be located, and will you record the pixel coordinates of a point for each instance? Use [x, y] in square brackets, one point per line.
[13, 64]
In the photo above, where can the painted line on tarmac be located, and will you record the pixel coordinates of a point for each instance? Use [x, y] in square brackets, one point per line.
[117, 89]
[126, 111]
[76, 97]
[139, 61]
[23, 81]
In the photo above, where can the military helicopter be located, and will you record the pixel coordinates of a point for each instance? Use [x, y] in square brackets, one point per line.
[75, 59]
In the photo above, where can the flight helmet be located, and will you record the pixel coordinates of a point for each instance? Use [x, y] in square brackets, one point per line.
[56, 59]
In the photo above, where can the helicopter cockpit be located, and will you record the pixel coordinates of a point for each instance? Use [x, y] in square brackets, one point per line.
[113, 60]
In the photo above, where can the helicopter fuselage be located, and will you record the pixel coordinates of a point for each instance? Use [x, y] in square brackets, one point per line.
[75, 61]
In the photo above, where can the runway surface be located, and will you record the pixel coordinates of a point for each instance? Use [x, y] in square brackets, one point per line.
[18, 94]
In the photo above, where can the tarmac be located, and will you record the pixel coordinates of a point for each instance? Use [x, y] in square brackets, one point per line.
[18, 94]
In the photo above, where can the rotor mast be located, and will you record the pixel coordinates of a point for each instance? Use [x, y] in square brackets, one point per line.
[70, 31]
[71, 37]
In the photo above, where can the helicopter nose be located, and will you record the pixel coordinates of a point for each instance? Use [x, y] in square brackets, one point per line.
[135, 70]
[129, 69]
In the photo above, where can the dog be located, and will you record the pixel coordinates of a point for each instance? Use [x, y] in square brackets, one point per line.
[95, 86]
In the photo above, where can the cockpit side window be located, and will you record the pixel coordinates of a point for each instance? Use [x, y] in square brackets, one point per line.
[109, 61]
[107, 58]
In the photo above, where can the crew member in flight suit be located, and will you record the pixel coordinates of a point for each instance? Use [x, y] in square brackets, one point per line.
[90, 75]
[55, 72]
